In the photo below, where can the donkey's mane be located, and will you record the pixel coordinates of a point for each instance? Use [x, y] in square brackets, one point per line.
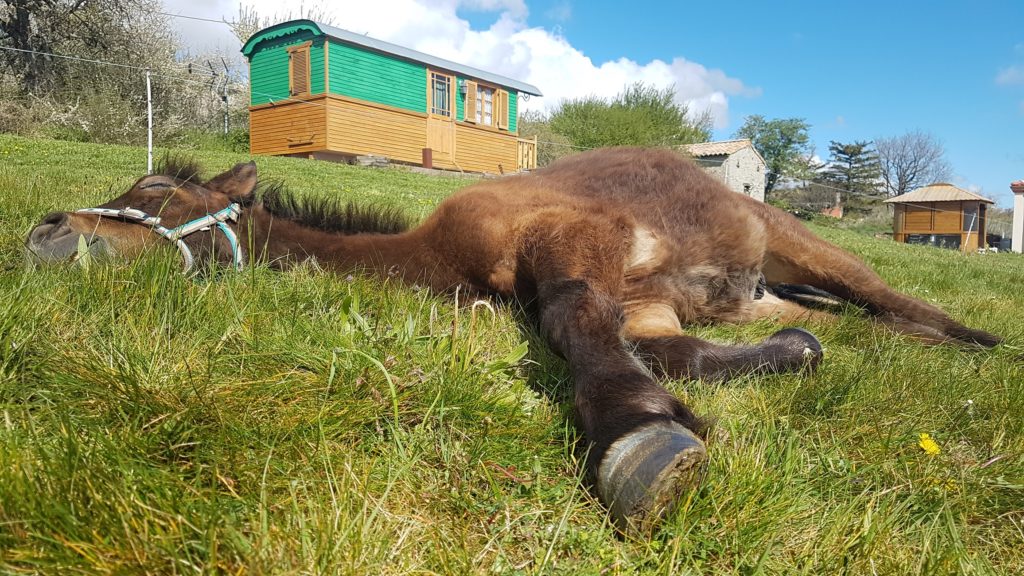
[186, 169]
[323, 213]
[332, 214]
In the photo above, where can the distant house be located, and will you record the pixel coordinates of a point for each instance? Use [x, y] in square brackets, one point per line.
[735, 162]
[323, 92]
[940, 215]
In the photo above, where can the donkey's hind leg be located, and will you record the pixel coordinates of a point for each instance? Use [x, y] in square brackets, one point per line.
[796, 256]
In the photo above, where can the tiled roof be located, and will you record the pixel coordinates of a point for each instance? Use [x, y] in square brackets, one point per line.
[940, 192]
[720, 148]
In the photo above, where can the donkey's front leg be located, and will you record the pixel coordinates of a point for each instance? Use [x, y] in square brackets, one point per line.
[657, 334]
[788, 350]
[643, 447]
[644, 451]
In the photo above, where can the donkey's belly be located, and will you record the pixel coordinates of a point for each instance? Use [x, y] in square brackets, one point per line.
[666, 287]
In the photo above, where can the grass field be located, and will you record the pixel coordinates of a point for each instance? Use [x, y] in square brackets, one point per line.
[310, 423]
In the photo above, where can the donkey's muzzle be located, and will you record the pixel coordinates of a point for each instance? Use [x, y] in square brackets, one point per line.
[55, 241]
[647, 472]
[52, 227]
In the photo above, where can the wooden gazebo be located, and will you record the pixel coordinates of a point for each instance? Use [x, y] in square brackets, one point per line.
[940, 215]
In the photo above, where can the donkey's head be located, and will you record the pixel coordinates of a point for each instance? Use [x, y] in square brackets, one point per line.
[169, 207]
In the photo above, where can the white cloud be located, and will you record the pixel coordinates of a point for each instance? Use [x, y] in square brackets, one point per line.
[509, 46]
[1010, 76]
[560, 12]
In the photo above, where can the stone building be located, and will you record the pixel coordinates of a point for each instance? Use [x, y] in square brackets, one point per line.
[735, 162]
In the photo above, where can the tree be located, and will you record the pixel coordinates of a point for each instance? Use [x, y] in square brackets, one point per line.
[784, 144]
[854, 167]
[912, 160]
[249, 21]
[641, 115]
[124, 31]
[550, 145]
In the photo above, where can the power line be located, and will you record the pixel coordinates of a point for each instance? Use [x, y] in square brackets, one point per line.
[275, 99]
[103, 62]
[65, 57]
[198, 18]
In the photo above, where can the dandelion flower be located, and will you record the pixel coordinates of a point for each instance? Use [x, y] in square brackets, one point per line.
[928, 445]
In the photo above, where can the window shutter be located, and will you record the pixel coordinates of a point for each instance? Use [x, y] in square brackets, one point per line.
[502, 110]
[299, 72]
[470, 113]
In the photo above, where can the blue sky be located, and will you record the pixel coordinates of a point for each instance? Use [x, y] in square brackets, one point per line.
[853, 70]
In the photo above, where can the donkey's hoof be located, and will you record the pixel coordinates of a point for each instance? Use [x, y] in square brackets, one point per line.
[793, 349]
[646, 472]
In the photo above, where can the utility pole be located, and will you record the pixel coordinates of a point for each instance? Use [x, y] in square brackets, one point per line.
[149, 116]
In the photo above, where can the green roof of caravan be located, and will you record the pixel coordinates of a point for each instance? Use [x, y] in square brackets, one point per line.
[285, 28]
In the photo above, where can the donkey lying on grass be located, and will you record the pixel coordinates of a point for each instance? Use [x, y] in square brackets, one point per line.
[617, 250]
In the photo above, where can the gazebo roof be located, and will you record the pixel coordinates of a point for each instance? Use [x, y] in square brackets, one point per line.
[940, 192]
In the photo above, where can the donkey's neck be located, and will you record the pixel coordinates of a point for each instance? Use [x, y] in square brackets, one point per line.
[284, 242]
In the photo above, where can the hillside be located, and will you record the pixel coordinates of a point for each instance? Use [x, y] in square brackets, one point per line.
[307, 422]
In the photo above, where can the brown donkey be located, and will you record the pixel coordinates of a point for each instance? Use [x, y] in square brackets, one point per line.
[617, 249]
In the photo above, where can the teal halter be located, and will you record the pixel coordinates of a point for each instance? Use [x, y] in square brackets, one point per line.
[219, 219]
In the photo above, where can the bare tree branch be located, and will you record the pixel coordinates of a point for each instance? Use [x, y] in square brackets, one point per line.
[912, 160]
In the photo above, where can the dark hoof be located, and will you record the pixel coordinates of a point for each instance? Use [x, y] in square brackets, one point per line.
[793, 349]
[977, 337]
[646, 472]
[808, 296]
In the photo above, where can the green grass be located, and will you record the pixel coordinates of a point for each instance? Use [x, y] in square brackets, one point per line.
[305, 422]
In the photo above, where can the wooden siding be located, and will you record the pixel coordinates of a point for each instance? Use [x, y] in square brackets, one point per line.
[373, 77]
[948, 218]
[268, 68]
[288, 128]
[351, 127]
[483, 150]
[917, 219]
[359, 128]
[936, 218]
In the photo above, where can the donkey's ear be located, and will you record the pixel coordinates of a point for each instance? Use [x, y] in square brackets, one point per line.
[237, 183]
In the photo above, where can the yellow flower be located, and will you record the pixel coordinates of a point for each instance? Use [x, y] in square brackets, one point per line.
[928, 445]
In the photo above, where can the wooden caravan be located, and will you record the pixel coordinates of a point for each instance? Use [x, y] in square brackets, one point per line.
[323, 92]
[940, 215]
